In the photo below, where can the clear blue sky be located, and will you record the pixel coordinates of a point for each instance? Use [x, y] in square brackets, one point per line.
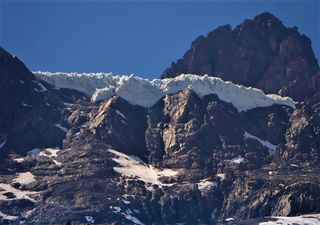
[124, 37]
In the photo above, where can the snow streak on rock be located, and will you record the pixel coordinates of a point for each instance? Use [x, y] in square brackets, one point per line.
[2, 144]
[272, 148]
[64, 129]
[128, 215]
[8, 217]
[144, 92]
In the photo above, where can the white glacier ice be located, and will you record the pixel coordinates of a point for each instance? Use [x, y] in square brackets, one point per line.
[144, 92]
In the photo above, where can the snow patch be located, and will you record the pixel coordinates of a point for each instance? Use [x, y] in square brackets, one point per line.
[51, 153]
[144, 92]
[128, 215]
[205, 185]
[28, 213]
[34, 152]
[2, 144]
[67, 104]
[64, 129]
[132, 166]
[297, 220]
[89, 219]
[237, 160]
[270, 173]
[18, 193]
[25, 178]
[43, 88]
[25, 105]
[294, 165]
[121, 114]
[7, 217]
[21, 159]
[115, 209]
[272, 148]
[222, 176]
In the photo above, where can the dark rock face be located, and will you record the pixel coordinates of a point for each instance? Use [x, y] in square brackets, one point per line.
[260, 53]
[24, 115]
[29, 108]
[184, 160]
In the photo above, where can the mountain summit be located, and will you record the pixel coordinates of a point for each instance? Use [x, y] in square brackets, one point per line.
[260, 53]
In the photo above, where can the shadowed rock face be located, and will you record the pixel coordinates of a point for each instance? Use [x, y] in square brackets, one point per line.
[205, 162]
[29, 108]
[261, 53]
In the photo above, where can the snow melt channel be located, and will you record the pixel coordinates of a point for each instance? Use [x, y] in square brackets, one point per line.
[144, 92]
[132, 166]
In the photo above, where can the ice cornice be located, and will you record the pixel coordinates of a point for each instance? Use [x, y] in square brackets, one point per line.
[144, 92]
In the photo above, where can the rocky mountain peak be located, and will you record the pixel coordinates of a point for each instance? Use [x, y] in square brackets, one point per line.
[261, 52]
[12, 68]
[266, 18]
[30, 109]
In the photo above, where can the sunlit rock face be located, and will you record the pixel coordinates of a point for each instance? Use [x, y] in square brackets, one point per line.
[260, 53]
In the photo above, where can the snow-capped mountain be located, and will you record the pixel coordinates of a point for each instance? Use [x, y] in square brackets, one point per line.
[188, 149]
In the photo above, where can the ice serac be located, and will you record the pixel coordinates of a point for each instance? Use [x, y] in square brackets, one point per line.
[144, 92]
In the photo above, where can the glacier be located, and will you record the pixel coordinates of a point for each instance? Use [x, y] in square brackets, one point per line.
[144, 92]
